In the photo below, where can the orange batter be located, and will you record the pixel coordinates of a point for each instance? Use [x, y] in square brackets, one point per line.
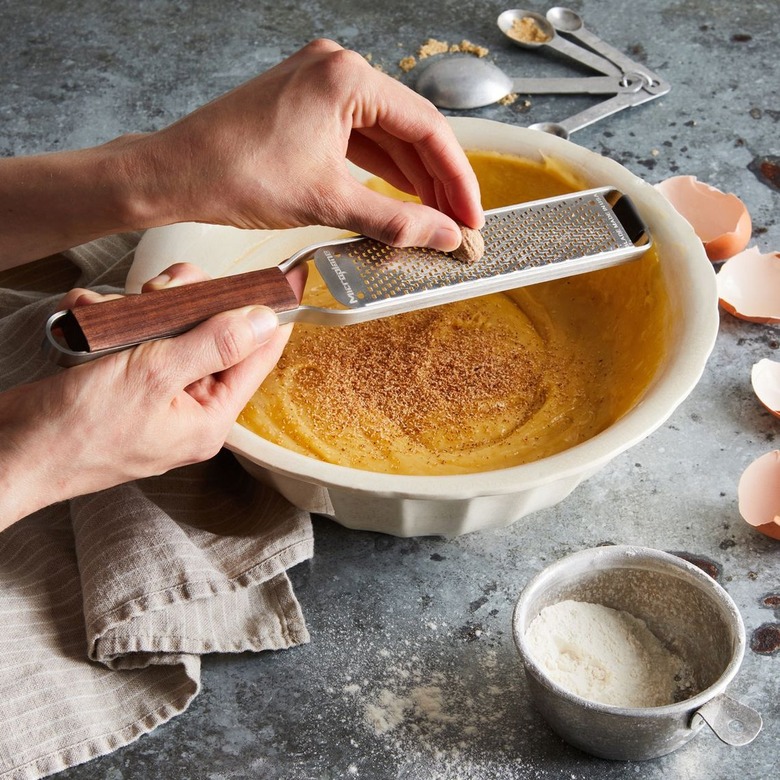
[476, 385]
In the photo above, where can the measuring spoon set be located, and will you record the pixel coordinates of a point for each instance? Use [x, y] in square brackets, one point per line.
[463, 82]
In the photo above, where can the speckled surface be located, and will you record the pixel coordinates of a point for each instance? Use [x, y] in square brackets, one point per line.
[420, 628]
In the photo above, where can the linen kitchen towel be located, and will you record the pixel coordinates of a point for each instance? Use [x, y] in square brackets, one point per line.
[107, 601]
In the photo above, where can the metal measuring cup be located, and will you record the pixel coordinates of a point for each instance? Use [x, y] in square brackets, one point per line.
[686, 609]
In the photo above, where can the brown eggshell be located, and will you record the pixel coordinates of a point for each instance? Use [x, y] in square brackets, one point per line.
[720, 219]
[759, 494]
[765, 378]
[749, 286]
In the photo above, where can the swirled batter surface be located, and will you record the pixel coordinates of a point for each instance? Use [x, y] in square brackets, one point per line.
[476, 385]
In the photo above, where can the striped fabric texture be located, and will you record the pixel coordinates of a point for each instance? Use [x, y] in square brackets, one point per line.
[108, 600]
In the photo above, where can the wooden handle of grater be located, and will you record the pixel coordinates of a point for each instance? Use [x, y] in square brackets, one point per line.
[161, 313]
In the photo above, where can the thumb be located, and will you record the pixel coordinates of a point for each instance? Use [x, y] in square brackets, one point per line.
[219, 343]
[394, 222]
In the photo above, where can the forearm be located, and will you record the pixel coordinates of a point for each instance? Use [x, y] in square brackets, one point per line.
[54, 201]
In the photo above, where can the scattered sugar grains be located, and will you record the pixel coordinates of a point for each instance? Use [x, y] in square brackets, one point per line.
[467, 47]
[432, 47]
[606, 655]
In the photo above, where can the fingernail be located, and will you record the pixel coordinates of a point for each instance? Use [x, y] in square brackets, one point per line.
[264, 322]
[445, 239]
[158, 282]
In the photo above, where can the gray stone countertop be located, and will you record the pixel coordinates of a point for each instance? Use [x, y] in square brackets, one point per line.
[398, 621]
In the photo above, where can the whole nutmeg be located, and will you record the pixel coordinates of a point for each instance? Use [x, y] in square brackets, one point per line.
[472, 246]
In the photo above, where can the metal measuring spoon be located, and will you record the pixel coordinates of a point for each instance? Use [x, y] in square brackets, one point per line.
[554, 41]
[468, 82]
[566, 127]
[567, 21]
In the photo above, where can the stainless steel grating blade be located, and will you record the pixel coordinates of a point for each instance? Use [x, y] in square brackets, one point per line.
[524, 244]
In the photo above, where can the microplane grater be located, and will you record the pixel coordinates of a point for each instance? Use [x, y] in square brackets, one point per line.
[524, 244]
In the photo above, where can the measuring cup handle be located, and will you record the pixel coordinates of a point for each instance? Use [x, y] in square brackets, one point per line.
[733, 722]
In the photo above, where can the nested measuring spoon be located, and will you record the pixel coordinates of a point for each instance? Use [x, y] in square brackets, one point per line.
[565, 20]
[509, 23]
[590, 115]
[462, 81]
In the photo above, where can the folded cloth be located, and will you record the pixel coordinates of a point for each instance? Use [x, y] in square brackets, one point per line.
[108, 600]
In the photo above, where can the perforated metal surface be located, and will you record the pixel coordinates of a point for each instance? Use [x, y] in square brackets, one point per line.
[574, 229]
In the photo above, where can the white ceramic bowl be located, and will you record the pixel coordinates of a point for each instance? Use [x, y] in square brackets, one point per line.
[451, 505]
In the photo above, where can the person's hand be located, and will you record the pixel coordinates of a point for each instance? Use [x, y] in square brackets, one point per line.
[272, 154]
[135, 413]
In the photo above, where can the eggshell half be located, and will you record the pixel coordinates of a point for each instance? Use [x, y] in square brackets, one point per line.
[759, 494]
[765, 378]
[719, 219]
[749, 286]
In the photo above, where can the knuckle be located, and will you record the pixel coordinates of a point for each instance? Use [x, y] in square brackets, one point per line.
[322, 45]
[148, 373]
[183, 269]
[79, 296]
[324, 203]
[399, 230]
[228, 344]
[340, 65]
[153, 380]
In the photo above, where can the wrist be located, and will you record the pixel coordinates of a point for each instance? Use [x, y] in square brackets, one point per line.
[51, 202]
[24, 488]
[142, 194]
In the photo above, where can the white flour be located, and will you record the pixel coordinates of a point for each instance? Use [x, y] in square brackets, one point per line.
[605, 655]
[433, 710]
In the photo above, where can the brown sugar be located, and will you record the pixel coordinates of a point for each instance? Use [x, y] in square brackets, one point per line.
[467, 47]
[527, 30]
[431, 47]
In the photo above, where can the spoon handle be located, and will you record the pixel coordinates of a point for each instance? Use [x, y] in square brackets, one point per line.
[605, 109]
[615, 56]
[583, 56]
[589, 85]
[656, 84]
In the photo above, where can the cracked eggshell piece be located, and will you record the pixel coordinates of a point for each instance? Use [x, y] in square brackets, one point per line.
[759, 494]
[765, 378]
[749, 286]
[719, 219]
